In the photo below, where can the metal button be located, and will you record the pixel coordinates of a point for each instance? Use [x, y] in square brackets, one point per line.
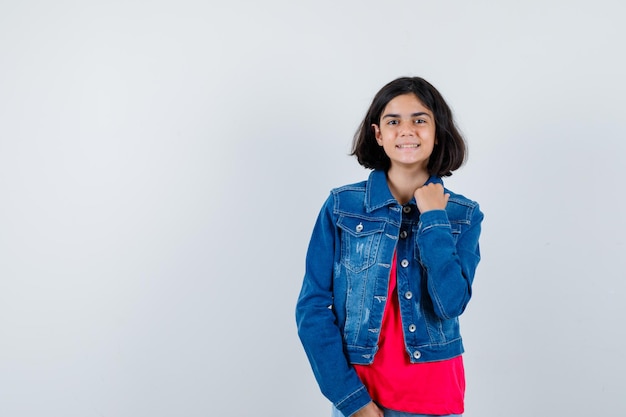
[359, 227]
[404, 263]
[417, 354]
[408, 295]
[403, 234]
[412, 328]
[406, 209]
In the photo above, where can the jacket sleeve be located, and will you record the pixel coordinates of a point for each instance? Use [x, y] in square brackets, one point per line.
[317, 325]
[449, 266]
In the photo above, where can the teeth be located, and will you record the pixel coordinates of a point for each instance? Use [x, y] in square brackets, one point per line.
[415, 145]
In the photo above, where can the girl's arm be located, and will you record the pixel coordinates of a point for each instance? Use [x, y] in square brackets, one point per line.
[450, 265]
[317, 324]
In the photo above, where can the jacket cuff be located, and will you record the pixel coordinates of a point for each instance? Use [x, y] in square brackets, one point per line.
[433, 218]
[354, 402]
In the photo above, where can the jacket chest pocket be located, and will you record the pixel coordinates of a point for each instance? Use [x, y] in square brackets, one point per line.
[360, 240]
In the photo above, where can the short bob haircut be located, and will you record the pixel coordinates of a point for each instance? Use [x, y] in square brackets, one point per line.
[449, 153]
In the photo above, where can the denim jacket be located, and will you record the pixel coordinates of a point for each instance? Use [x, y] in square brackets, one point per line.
[340, 308]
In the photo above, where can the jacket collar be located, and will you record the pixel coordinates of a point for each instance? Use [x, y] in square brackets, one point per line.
[377, 193]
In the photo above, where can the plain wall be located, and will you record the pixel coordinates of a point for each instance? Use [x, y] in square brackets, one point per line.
[162, 164]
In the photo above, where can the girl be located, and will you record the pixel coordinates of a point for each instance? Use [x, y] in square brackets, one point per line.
[390, 266]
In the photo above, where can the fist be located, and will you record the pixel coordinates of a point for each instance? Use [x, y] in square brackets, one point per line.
[431, 197]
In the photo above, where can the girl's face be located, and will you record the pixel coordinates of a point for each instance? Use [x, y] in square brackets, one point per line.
[406, 132]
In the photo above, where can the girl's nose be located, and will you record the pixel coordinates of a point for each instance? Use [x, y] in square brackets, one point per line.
[406, 128]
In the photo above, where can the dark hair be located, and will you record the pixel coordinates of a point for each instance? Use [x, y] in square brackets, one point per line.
[450, 151]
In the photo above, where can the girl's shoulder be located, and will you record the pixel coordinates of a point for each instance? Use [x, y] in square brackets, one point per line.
[462, 208]
[356, 186]
[460, 199]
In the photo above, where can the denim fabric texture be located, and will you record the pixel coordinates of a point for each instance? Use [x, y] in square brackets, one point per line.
[340, 308]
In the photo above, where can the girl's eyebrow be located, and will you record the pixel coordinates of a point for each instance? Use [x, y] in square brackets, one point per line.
[397, 116]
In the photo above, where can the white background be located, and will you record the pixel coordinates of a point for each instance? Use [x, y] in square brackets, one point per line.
[162, 164]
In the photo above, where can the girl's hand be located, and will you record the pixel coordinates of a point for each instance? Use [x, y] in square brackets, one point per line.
[431, 197]
[370, 410]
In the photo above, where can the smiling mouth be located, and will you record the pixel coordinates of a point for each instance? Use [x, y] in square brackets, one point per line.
[408, 146]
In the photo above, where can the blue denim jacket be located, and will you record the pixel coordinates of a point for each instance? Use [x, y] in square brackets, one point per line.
[340, 308]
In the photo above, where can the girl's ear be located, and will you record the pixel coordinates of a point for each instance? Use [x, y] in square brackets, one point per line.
[376, 130]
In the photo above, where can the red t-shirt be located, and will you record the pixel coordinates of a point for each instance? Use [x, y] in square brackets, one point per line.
[394, 382]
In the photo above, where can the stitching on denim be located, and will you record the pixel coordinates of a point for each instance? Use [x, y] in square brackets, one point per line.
[435, 344]
[440, 305]
[349, 396]
[368, 260]
[463, 202]
[430, 226]
[350, 187]
[372, 228]
[353, 215]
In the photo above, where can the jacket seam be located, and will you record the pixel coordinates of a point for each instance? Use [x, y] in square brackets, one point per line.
[349, 396]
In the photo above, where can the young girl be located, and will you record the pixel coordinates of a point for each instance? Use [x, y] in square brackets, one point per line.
[390, 266]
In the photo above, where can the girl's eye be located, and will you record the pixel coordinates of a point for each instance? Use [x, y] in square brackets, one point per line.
[392, 122]
[419, 121]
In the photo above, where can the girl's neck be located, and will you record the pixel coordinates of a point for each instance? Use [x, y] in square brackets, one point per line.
[403, 182]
